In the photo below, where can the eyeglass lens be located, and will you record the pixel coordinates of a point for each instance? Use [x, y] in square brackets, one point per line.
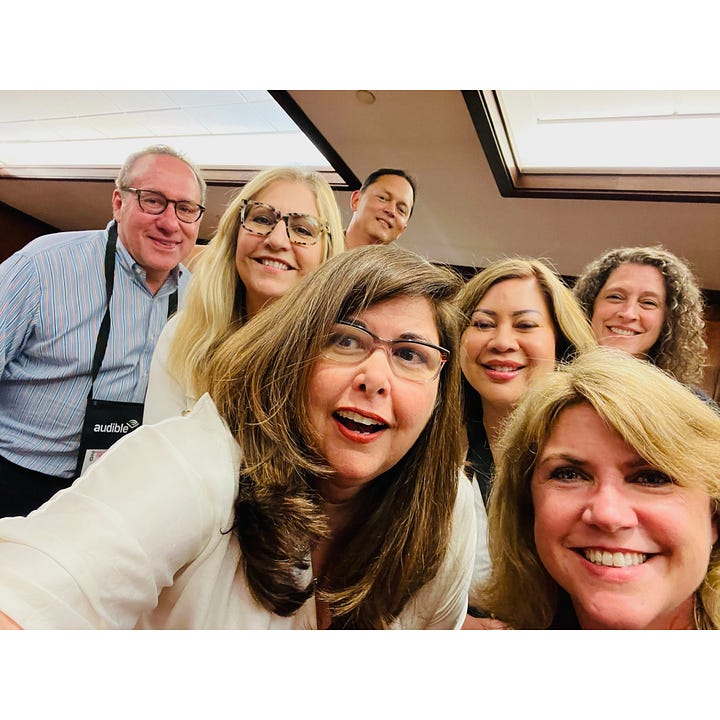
[155, 203]
[261, 219]
[408, 358]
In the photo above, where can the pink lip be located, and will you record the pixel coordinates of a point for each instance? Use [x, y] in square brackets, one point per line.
[165, 243]
[511, 372]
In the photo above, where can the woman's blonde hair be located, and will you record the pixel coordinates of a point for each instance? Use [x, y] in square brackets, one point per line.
[666, 424]
[572, 329]
[259, 378]
[215, 302]
[681, 349]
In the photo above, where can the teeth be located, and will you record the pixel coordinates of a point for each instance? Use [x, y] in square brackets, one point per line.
[502, 368]
[356, 417]
[274, 264]
[622, 331]
[616, 559]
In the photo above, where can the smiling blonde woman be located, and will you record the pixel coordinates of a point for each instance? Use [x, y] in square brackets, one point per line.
[604, 510]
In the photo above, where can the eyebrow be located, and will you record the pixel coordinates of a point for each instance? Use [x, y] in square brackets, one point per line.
[402, 336]
[415, 336]
[385, 191]
[567, 457]
[622, 288]
[159, 192]
[514, 313]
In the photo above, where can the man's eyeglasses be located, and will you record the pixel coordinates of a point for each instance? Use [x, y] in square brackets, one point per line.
[414, 360]
[260, 219]
[154, 203]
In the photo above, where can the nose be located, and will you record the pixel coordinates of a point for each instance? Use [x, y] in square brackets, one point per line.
[503, 339]
[373, 373]
[168, 220]
[278, 239]
[608, 508]
[628, 310]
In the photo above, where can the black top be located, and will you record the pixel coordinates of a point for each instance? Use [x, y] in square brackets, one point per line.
[480, 458]
[565, 617]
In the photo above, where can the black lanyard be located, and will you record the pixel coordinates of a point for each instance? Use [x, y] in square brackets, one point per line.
[106, 421]
[104, 333]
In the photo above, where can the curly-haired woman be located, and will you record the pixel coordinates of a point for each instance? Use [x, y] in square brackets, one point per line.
[646, 301]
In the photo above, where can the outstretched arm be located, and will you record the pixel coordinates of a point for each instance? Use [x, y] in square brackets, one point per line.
[7, 623]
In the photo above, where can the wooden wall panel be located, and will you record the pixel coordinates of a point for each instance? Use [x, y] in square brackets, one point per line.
[711, 383]
[17, 229]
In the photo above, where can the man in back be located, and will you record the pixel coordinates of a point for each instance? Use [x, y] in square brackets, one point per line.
[77, 302]
[381, 208]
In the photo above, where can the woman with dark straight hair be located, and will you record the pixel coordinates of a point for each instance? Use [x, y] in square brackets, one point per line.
[520, 321]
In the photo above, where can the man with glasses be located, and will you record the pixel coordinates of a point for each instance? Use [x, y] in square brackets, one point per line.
[80, 313]
[381, 208]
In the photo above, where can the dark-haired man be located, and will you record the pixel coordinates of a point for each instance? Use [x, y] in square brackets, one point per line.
[381, 208]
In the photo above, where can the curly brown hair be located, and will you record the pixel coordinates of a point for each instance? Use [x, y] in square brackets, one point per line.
[681, 349]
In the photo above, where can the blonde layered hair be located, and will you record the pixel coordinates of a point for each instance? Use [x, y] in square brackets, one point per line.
[259, 379]
[572, 329]
[666, 424]
[215, 302]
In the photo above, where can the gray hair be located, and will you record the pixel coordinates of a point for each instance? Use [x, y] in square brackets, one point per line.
[123, 178]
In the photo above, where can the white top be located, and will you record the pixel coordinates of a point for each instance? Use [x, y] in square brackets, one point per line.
[166, 397]
[137, 542]
[483, 565]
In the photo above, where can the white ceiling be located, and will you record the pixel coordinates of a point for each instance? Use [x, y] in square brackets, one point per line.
[460, 216]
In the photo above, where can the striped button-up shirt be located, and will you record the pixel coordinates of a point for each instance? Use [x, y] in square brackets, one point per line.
[52, 301]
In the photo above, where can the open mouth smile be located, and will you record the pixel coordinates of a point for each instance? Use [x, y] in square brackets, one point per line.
[622, 331]
[275, 264]
[357, 423]
[598, 556]
[498, 367]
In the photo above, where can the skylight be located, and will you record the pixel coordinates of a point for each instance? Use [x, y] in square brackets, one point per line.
[625, 145]
[87, 133]
[597, 131]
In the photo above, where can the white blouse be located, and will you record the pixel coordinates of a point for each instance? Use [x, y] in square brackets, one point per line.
[140, 541]
[165, 397]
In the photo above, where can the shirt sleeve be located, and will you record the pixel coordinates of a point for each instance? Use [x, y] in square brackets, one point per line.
[98, 554]
[19, 301]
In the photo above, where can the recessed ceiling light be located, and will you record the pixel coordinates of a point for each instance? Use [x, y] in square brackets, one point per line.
[365, 97]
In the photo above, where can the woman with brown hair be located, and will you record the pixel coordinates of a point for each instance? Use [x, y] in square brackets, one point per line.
[646, 301]
[316, 485]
